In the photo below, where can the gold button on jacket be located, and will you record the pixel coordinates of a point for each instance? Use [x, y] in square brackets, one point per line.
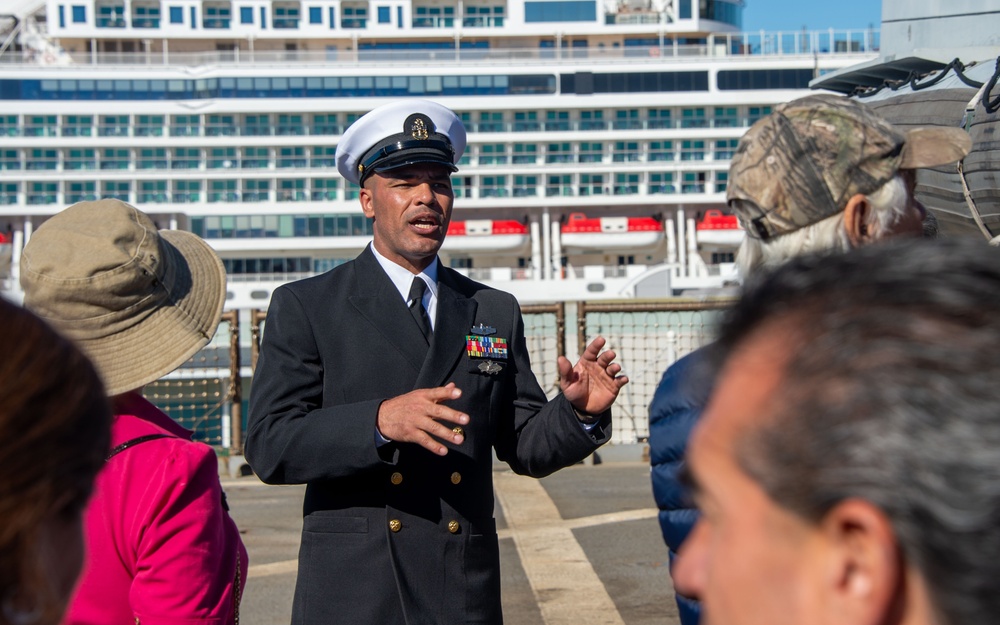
[395, 525]
[458, 430]
[396, 478]
[456, 477]
[453, 527]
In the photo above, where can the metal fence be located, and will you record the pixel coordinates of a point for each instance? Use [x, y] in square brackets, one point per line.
[206, 394]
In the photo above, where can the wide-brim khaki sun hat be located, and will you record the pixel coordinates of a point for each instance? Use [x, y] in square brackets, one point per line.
[139, 301]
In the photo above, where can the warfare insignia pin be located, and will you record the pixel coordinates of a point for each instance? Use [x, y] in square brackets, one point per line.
[489, 367]
[482, 330]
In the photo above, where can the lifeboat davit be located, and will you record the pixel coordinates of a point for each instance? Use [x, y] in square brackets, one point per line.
[718, 228]
[485, 234]
[604, 233]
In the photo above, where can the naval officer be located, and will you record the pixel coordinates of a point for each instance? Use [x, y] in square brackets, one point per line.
[384, 384]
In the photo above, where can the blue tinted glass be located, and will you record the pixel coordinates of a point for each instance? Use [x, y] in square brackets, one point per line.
[176, 15]
[79, 14]
[383, 15]
[569, 11]
[315, 15]
[246, 15]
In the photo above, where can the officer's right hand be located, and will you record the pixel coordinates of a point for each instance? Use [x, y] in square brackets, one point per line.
[414, 418]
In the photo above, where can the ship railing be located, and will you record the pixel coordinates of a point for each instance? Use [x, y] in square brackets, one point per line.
[666, 45]
[206, 393]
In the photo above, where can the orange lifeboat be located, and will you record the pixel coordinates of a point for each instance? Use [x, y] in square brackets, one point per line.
[485, 235]
[718, 228]
[603, 233]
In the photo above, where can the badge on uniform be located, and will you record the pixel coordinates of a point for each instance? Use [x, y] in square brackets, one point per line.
[486, 352]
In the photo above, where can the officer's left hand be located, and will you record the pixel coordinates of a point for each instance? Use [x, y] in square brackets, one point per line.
[592, 385]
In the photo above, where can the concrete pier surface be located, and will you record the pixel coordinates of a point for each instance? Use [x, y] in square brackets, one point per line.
[579, 547]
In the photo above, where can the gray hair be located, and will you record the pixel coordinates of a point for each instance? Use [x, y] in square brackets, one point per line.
[890, 395]
[888, 204]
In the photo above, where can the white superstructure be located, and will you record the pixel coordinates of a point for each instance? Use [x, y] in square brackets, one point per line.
[599, 132]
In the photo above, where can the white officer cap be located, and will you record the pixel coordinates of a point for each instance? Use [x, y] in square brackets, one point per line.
[398, 134]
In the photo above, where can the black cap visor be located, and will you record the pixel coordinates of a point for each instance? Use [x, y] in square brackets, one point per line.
[407, 152]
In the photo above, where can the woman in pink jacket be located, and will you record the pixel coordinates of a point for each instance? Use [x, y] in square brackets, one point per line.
[162, 548]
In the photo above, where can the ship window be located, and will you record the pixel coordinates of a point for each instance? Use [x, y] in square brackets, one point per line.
[685, 9]
[80, 191]
[384, 16]
[692, 150]
[152, 158]
[661, 182]
[185, 158]
[79, 14]
[525, 186]
[525, 153]
[559, 153]
[292, 157]
[693, 182]
[246, 15]
[255, 158]
[592, 120]
[292, 191]
[324, 156]
[113, 158]
[80, 159]
[324, 189]
[559, 185]
[627, 119]
[184, 126]
[592, 184]
[725, 148]
[756, 112]
[626, 151]
[186, 191]
[730, 80]
[152, 192]
[591, 153]
[561, 11]
[118, 189]
[721, 180]
[42, 192]
[10, 159]
[626, 184]
[493, 154]
[493, 186]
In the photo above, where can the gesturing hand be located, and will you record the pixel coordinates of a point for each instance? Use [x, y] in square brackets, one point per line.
[414, 418]
[592, 385]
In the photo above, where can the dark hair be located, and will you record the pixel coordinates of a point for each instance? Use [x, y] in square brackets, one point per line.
[891, 394]
[54, 434]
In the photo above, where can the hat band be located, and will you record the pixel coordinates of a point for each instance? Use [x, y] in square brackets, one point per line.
[392, 148]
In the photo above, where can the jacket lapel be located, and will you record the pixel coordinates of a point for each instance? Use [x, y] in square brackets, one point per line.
[455, 316]
[378, 301]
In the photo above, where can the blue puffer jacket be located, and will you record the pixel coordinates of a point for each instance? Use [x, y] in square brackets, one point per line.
[676, 406]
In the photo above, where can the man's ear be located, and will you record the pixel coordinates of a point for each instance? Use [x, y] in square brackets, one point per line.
[866, 575]
[367, 206]
[856, 215]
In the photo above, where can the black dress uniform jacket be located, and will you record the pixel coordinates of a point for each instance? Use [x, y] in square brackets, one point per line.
[395, 534]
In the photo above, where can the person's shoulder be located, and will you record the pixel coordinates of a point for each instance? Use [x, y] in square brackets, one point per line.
[320, 281]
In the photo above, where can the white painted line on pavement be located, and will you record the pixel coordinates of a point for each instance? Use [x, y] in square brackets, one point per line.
[566, 587]
[273, 568]
[611, 517]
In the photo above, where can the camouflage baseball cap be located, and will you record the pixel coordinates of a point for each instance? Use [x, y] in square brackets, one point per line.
[803, 162]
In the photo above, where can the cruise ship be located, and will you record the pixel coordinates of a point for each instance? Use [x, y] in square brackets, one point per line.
[600, 132]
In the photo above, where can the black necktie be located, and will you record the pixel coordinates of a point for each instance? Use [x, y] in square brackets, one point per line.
[417, 308]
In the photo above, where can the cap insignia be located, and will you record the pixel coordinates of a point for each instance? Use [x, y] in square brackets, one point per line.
[418, 126]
